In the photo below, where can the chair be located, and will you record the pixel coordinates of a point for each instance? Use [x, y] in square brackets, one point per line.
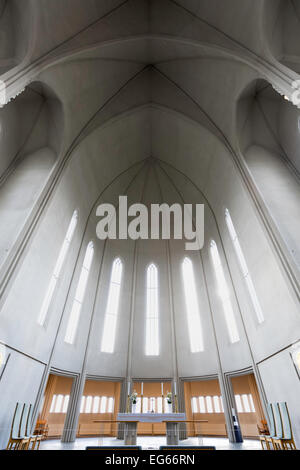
[288, 439]
[23, 428]
[17, 432]
[34, 439]
[267, 439]
[277, 439]
[42, 429]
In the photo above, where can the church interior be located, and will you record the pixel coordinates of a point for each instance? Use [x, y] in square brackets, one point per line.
[139, 341]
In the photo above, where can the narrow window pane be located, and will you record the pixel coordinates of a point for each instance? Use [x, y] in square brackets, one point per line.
[167, 406]
[251, 403]
[103, 405]
[216, 404]
[239, 404]
[65, 404]
[224, 294]
[194, 405]
[244, 268]
[192, 308]
[81, 286]
[152, 404]
[110, 407]
[52, 407]
[138, 408]
[202, 406]
[82, 404]
[112, 307]
[152, 327]
[73, 322]
[159, 405]
[145, 405]
[96, 404]
[246, 404]
[57, 270]
[222, 407]
[79, 296]
[209, 404]
[88, 404]
[58, 404]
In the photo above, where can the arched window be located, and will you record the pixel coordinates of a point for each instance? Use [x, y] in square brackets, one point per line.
[57, 269]
[152, 334]
[244, 267]
[79, 295]
[112, 307]
[224, 293]
[192, 308]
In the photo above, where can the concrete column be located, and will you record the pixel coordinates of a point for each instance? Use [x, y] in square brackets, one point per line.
[73, 412]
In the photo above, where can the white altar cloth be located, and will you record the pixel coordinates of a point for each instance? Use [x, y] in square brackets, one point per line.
[151, 417]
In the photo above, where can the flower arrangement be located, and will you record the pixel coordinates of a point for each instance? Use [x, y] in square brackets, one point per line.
[133, 397]
[169, 398]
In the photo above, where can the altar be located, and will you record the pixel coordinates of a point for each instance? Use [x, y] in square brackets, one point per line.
[131, 421]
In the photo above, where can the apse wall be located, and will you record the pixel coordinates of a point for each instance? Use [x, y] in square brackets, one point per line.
[190, 173]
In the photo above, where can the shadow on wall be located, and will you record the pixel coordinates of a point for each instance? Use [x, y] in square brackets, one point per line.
[268, 129]
[15, 25]
[31, 129]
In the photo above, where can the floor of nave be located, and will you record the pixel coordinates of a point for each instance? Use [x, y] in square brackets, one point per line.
[149, 442]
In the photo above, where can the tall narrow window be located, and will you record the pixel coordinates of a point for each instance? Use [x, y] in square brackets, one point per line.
[159, 405]
[217, 404]
[244, 268]
[103, 405]
[194, 405]
[52, 407]
[209, 404]
[110, 321]
[110, 408]
[79, 295]
[66, 403]
[58, 404]
[82, 404]
[192, 308]
[96, 404]
[57, 270]
[224, 294]
[202, 406]
[152, 335]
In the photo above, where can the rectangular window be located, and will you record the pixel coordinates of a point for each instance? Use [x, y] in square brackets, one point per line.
[103, 405]
[194, 405]
[96, 405]
[192, 308]
[152, 332]
[79, 295]
[110, 322]
[202, 406]
[224, 294]
[57, 270]
[244, 267]
[209, 404]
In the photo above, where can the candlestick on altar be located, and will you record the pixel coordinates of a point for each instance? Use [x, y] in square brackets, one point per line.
[176, 404]
[128, 404]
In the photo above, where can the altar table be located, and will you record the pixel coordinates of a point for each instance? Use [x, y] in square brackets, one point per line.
[131, 421]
